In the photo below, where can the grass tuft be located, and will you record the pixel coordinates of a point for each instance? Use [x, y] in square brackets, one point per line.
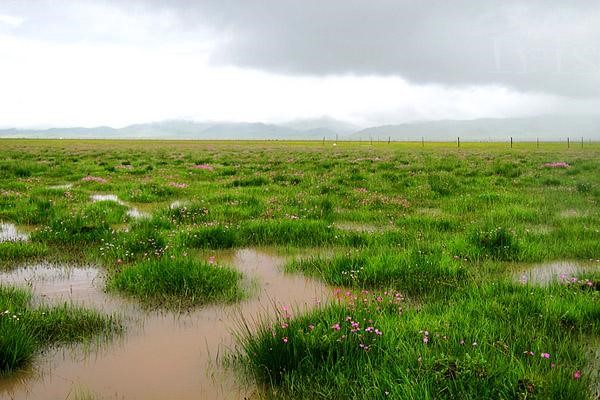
[178, 282]
[25, 330]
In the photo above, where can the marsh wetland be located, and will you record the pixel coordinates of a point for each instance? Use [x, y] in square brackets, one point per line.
[191, 270]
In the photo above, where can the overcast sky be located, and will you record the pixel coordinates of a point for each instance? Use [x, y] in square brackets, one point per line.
[369, 62]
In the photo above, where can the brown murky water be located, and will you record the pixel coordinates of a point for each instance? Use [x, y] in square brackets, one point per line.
[161, 355]
[546, 273]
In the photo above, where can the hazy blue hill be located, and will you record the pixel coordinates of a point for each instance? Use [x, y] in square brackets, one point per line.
[323, 125]
[547, 127]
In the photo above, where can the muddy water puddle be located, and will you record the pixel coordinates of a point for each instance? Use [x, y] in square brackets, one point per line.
[546, 273]
[10, 233]
[162, 355]
[132, 211]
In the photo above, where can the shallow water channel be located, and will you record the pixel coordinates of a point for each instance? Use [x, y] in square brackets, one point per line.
[546, 273]
[161, 355]
[10, 233]
[133, 212]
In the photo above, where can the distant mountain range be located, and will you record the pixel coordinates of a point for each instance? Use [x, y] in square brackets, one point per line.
[546, 127]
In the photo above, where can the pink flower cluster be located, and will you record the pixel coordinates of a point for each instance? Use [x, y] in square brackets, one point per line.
[573, 280]
[557, 165]
[96, 179]
[206, 167]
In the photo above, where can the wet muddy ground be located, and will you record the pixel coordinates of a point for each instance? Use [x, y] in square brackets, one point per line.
[162, 355]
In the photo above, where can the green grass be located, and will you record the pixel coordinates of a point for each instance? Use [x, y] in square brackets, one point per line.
[443, 226]
[20, 250]
[415, 272]
[25, 330]
[143, 240]
[474, 346]
[178, 282]
[301, 233]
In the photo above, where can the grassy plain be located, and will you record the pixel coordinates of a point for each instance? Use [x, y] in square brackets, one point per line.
[424, 243]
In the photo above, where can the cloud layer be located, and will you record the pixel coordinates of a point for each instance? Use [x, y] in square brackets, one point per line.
[538, 45]
[370, 62]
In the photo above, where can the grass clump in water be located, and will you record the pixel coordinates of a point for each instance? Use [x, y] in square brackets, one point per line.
[143, 240]
[24, 330]
[178, 281]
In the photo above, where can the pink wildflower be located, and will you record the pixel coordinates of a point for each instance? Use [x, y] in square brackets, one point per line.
[336, 327]
[545, 355]
[425, 339]
[284, 340]
[577, 374]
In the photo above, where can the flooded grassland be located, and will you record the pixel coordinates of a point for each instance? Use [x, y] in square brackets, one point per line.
[197, 270]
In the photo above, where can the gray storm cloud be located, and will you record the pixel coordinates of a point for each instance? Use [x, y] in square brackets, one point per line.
[547, 46]
[541, 46]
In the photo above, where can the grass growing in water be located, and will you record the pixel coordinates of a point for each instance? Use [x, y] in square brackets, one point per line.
[178, 282]
[500, 341]
[25, 330]
[294, 194]
[16, 251]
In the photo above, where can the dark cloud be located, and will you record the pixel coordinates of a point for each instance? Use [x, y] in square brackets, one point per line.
[546, 46]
